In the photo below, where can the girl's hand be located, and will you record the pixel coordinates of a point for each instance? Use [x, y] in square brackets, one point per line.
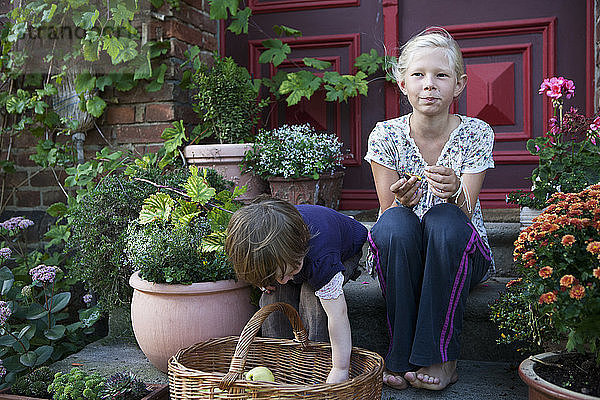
[337, 375]
[407, 191]
[442, 181]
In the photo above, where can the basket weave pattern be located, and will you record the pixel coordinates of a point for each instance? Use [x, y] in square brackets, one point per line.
[213, 369]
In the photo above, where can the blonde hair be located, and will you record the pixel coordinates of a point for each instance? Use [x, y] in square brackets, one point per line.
[430, 38]
[264, 239]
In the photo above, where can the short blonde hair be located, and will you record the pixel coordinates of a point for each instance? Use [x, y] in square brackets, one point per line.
[264, 239]
[430, 38]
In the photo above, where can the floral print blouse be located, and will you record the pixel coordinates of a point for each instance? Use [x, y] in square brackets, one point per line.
[467, 151]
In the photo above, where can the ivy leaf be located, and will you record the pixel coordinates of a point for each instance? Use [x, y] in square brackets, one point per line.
[113, 46]
[103, 81]
[299, 84]
[239, 23]
[369, 62]
[156, 207]
[122, 15]
[197, 188]
[174, 137]
[282, 30]
[318, 64]
[85, 82]
[218, 8]
[127, 51]
[144, 71]
[95, 106]
[276, 52]
[88, 20]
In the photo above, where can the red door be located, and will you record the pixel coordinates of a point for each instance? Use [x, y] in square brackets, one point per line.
[508, 46]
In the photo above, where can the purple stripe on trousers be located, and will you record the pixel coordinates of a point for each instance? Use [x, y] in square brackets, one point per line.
[382, 284]
[459, 282]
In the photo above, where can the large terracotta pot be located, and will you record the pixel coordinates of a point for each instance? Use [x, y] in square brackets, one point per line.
[226, 159]
[325, 191]
[167, 317]
[540, 389]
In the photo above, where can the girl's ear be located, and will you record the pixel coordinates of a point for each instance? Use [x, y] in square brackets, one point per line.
[461, 82]
[402, 86]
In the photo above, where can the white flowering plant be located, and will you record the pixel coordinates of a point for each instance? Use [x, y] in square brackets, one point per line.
[38, 322]
[294, 151]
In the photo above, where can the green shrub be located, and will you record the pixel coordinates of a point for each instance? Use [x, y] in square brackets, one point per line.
[34, 384]
[123, 386]
[76, 385]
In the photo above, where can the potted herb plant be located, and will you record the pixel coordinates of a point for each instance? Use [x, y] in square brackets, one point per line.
[555, 302]
[184, 287]
[569, 153]
[301, 164]
[226, 102]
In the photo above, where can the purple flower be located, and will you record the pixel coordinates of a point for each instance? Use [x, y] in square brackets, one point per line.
[5, 253]
[2, 369]
[15, 223]
[43, 273]
[87, 298]
[5, 312]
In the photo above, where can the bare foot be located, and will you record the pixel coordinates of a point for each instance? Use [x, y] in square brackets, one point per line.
[394, 381]
[434, 377]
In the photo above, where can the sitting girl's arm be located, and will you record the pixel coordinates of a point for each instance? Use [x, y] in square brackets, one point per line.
[339, 335]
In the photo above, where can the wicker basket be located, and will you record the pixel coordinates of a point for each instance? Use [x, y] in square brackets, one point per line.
[213, 369]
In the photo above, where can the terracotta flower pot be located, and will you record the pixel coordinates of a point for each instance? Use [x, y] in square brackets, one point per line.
[539, 389]
[167, 317]
[226, 159]
[325, 191]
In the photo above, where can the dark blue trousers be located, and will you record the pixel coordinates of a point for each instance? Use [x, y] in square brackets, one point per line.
[426, 269]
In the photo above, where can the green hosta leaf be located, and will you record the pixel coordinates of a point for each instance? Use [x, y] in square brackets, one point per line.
[197, 188]
[85, 82]
[59, 301]
[6, 286]
[276, 52]
[21, 346]
[318, 64]
[156, 207]
[55, 333]
[282, 30]
[28, 359]
[43, 354]
[218, 8]
[6, 274]
[239, 23]
[369, 62]
[95, 106]
[213, 242]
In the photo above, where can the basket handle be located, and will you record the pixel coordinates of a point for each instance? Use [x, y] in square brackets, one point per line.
[238, 361]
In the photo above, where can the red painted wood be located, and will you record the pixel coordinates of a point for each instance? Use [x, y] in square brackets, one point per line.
[390, 40]
[259, 7]
[491, 92]
[590, 62]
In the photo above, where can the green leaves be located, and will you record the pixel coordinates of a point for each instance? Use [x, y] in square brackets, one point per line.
[282, 30]
[174, 137]
[156, 207]
[299, 84]
[239, 22]
[318, 64]
[276, 52]
[219, 8]
[369, 62]
[95, 106]
[197, 188]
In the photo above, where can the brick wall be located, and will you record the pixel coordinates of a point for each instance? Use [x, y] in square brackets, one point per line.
[133, 120]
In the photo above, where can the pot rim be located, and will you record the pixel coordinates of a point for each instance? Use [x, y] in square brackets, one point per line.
[216, 150]
[143, 285]
[533, 380]
[336, 174]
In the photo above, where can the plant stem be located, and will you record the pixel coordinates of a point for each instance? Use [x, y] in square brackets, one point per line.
[17, 339]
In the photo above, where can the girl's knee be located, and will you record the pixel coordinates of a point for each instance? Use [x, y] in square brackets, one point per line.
[396, 223]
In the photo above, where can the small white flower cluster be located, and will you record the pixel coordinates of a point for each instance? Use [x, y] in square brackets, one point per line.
[294, 151]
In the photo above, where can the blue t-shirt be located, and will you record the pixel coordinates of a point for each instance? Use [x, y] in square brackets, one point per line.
[335, 237]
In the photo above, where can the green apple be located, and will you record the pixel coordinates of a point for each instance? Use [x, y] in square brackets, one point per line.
[260, 374]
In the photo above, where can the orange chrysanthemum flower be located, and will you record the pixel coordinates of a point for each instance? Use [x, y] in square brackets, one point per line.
[547, 298]
[593, 247]
[515, 281]
[577, 292]
[568, 240]
[596, 273]
[528, 255]
[545, 272]
[567, 280]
